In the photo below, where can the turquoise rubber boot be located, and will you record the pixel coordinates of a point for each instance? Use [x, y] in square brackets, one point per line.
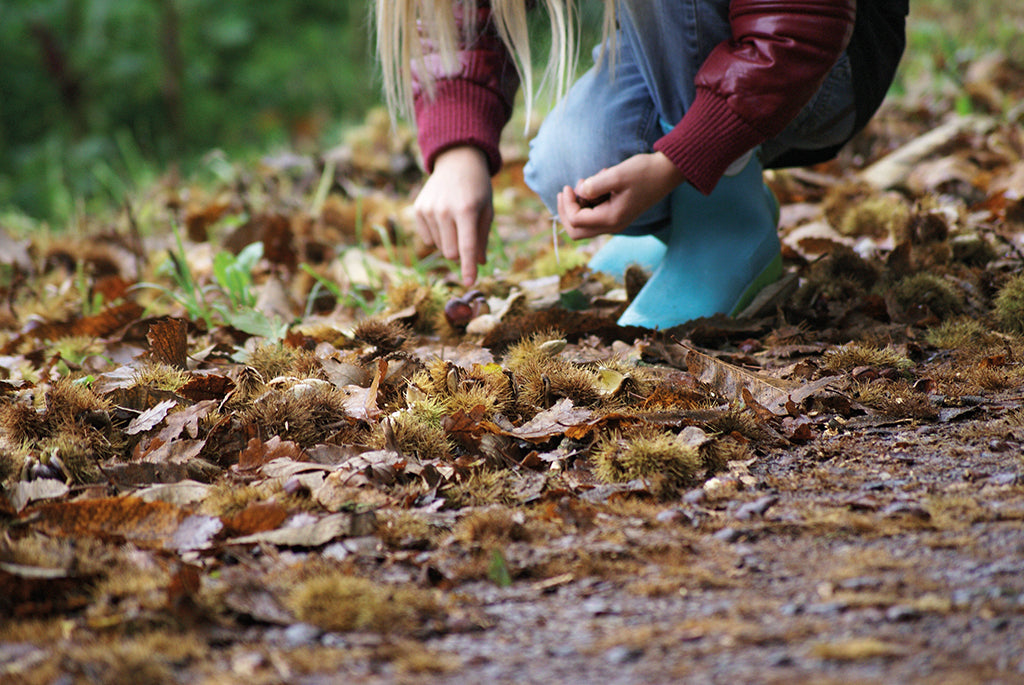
[621, 251]
[722, 250]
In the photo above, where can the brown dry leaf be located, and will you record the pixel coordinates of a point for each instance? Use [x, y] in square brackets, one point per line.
[172, 452]
[199, 218]
[287, 467]
[315, 532]
[184, 493]
[22, 493]
[256, 518]
[186, 420]
[344, 373]
[361, 403]
[549, 423]
[107, 321]
[97, 326]
[151, 418]
[149, 524]
[110, 288]
[257, 453]
[893, 170]
[195, 532]
[729, 381]
[168, 342]
[207, 387]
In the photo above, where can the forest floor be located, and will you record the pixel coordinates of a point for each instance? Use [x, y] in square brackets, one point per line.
[320, 460]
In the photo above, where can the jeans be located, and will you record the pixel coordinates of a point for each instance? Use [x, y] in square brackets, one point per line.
[617, 108]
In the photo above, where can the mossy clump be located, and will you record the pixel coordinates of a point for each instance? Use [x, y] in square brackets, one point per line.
[542, 378]
[156, 375]
[70, 402]
[923, 288]
[415, 432]
[20, 422]
[427, 301]
[850, 356]
[840, 276]
[271, 360]
[878, 216]
[647, 453]
[482, 487]
[383, 335]
[406, 530]
[339, 602]
[481, 388]
[962, 334]
[1009, 305]
[896, 399]
[316, 414]
[973, 250]
[841, 198]
[491, 527]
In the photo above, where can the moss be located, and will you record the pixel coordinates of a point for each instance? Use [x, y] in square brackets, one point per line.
[491, 527]
[896, 399]
[849, 357]
[482, 487]
[938, 294]
[340, 602]
[415, 433]
[878, 216]
[962, 333]
[315, 415]
[271, 360]
[160, 376]
[427, 301]
[1009, 305]
[648, 454]
[386, 336]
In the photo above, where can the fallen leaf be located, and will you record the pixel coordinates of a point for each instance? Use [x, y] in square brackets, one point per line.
[22, 493]
[729, 380]
[256, 518]
[151, 418]
[128, 518]
[314, 534]
[257, 452]
[168, 342]
[206, 387]
[195, 532]
[183, 493]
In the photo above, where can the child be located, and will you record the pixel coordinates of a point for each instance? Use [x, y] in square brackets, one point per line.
[661, 142]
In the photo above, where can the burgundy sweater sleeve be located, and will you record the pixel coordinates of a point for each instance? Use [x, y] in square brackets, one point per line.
[471, 104]
[752, 86]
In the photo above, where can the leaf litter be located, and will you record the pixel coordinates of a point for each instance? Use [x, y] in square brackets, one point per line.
[409, 481]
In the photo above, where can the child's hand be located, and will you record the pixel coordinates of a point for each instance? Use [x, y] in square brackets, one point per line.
[455, 208]
[613, 198]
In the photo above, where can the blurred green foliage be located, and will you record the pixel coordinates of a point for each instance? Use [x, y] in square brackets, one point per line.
[97, 94]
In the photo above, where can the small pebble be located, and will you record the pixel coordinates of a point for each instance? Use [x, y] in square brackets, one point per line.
[756, 508]
[900, 613]
[1006, 478]
[301, 635]
[695, 496]
[727, 535]
[621, 654]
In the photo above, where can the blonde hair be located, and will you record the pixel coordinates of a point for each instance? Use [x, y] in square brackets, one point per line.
[403, 26]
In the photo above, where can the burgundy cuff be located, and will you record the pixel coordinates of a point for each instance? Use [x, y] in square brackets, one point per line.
[710, 137]
[461, 113]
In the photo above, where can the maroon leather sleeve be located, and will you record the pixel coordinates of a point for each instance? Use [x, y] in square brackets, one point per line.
[471, 104]
[752, 86]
